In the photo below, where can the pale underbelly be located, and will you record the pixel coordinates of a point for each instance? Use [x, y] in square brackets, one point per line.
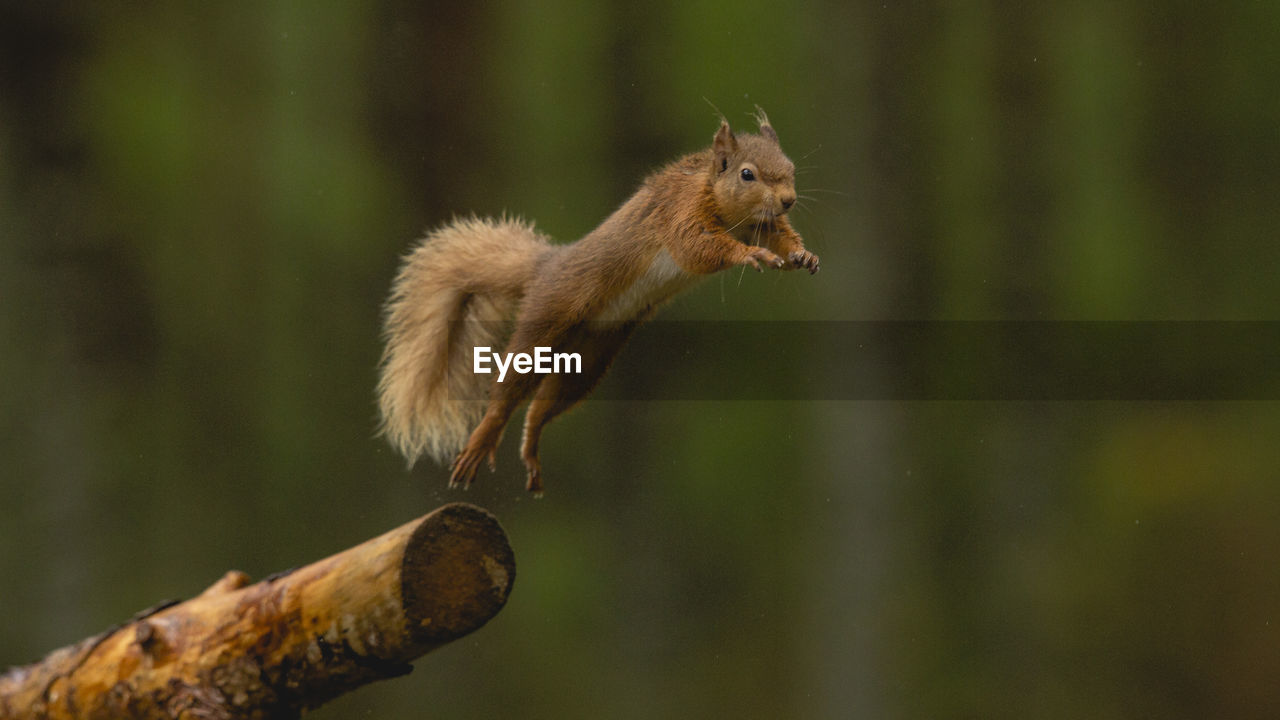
[662, 280]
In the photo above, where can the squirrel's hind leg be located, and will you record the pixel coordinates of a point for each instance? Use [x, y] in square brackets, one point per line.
[560, 392]
[550, 400]
[483, 443]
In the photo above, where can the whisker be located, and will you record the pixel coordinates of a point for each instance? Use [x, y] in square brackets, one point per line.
[735, 225]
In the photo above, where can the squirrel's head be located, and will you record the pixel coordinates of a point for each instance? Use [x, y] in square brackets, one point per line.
[753, 181]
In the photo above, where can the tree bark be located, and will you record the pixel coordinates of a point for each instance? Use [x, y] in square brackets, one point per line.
[290, 642]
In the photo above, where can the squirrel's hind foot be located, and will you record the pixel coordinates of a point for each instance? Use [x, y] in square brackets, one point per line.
[534, 484]
[467, 464]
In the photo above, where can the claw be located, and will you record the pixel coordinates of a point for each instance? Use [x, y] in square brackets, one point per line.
[463, 472]
[534, 484]
[767, 256]
[804, 259]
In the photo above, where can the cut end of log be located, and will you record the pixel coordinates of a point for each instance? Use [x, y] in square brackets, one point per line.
[456, 574]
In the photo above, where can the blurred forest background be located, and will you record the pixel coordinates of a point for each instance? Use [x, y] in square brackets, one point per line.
[202, 206]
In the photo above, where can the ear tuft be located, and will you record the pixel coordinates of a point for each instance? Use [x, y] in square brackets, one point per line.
[765, 128]
[724, 145]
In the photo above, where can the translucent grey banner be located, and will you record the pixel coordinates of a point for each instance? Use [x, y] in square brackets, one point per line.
[948, 360]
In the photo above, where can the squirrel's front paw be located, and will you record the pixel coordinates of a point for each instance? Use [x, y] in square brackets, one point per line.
[763, 255]
[804, 259]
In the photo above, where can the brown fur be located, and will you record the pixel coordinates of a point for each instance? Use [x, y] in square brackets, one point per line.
[693, 217]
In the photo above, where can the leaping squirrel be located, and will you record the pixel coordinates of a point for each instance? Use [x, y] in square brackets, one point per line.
[461, 286]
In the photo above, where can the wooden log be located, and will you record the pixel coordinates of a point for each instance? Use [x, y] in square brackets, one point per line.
[285, 644]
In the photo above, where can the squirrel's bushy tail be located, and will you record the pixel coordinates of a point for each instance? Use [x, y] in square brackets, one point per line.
[457, 290]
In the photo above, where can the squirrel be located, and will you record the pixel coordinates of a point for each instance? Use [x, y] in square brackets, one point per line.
[459, 288]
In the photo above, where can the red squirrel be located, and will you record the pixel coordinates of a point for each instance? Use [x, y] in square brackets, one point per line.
[460, 287]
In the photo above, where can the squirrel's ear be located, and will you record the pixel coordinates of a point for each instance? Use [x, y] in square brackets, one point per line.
[765, 128]
[723, 146]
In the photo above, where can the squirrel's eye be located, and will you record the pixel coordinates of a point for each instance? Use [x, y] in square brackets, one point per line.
[747, 175]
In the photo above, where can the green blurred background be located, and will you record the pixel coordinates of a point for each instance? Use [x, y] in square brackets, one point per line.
[202, 206]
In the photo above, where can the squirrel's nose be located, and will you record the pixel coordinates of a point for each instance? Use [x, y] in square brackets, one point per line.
[788, 201]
